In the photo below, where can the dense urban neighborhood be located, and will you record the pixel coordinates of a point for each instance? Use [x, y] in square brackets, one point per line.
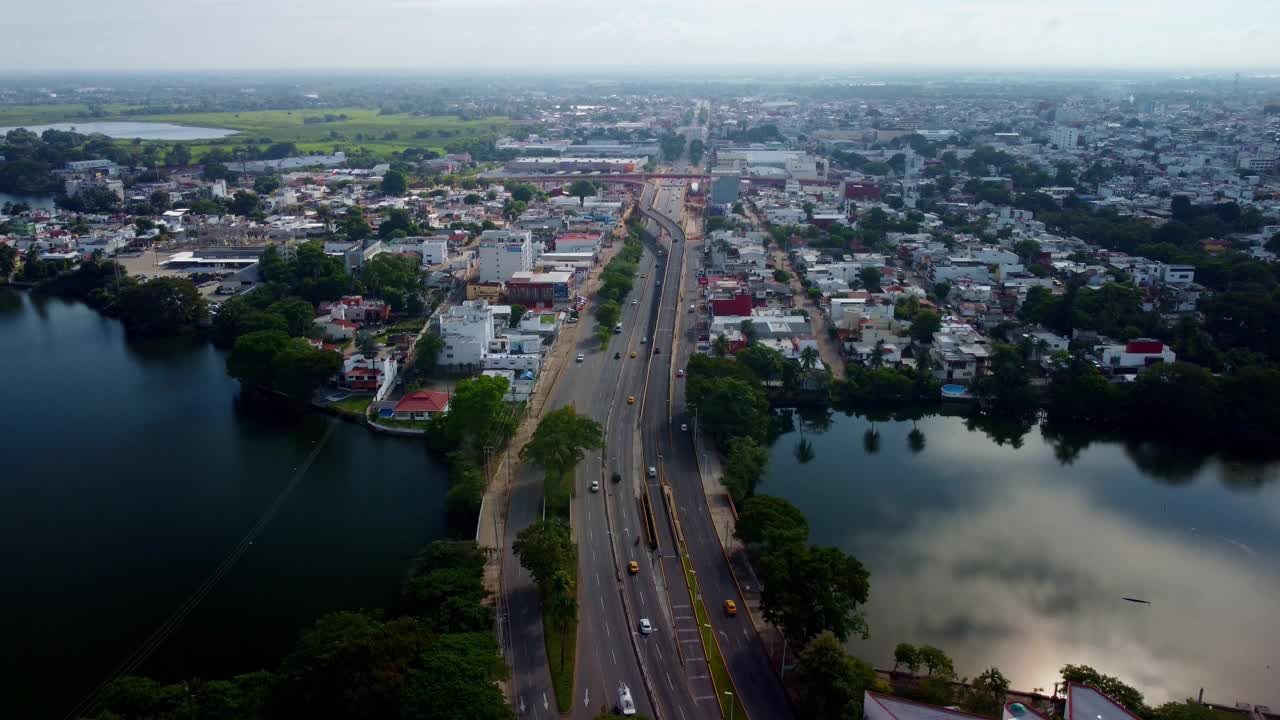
[599, 310]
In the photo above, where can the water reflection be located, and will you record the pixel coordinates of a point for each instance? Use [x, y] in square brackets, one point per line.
[1016, 549]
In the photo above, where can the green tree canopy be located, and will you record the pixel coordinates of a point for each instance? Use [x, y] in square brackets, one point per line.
[809, 590]
[1112, 686]
[394, 182]
[546, 548]
[832, 682]
[745, 464]
[770, 520]
[161, 307]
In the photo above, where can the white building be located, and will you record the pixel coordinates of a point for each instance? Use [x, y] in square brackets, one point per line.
[434, 250]
[504, 253]
[467, 331]
[1064, 136]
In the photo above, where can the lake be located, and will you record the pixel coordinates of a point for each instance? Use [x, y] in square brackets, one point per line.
[131, 470]
[35, 201]
[131, 130]
[1009, 556]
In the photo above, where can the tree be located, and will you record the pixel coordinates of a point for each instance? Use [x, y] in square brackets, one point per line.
[832, 683]
[354, 225]
[870, 278]
[607, 315]
[581, 189]
[720, 346]
[545, 549]
[809, 590]
[1189, 710]
[394, 182]
[161, 307]
[748, 329]
[1006, 388]
[299, 369]
[367, 344]
[937, 662]
[730, 407]
[350, 665]
[765, 362]
[988, 692]
[905, 655]
[398, 223]
[561, 602]
[915, 441]
[744, 467]
[266, 184]
[924, 325]
[178, 156]
[770, 520]
[561, 440]
[517, 312]
[522, 193]
[396, 279]
[8, 260]
[1027, 250]
[808, 358]
[457, 677]
[298, 315]
[1122, 693]
[471, 199]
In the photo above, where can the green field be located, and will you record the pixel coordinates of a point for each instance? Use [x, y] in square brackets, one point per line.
[362, 128]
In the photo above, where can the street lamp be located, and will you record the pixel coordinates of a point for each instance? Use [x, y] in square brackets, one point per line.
[726, 692]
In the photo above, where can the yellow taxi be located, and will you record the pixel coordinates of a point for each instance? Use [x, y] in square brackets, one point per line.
[633, 353]
[631, 399]
[730, 608]
[633, 567]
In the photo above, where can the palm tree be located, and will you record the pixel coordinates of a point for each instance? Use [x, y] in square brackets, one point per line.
[562, 605]
[808, 358]
[720, 346]
[915, 440]
[871, 440]
[804, 451]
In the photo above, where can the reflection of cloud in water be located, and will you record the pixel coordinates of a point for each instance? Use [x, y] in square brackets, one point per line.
[1039, 574]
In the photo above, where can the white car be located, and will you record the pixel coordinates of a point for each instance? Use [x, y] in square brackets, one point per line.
[680, 373]
[595, 486]
[581, 357]
[684, 427]
[644, 340]
[653, 471]
[635, 302]
[646, 627]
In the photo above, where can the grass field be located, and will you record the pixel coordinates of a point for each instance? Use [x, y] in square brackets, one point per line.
[354, 405]
[362, 128]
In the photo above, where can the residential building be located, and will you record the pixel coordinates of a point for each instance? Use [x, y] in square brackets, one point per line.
[541, 289]
[421, 405]
[1134, 355]
[504, 253]
[467, 331]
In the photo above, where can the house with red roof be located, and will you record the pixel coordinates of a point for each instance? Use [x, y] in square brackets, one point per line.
[421, 405]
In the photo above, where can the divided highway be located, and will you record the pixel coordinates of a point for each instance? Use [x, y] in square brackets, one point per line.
[665, 670]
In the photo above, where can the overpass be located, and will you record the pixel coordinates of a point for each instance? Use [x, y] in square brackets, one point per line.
[631, 178]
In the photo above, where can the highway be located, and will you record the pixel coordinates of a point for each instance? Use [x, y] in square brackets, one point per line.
[761, 692]
[666, 670]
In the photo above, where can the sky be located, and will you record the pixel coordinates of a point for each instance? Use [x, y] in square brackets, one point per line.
[523, 34]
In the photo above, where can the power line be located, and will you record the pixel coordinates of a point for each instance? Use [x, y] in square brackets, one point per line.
[162, 633]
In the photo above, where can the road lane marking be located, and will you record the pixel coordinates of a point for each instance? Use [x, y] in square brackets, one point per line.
[669, 683]
[615, 656]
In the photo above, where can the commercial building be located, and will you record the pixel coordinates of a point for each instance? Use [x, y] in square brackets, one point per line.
[504, 253]
[542, 289]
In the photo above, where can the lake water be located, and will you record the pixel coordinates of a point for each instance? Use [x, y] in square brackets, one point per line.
[1007, 556]
[130, 130]
[132, 470]
[35, 201]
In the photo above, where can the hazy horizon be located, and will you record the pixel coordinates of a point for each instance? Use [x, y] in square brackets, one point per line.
[497, 36]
